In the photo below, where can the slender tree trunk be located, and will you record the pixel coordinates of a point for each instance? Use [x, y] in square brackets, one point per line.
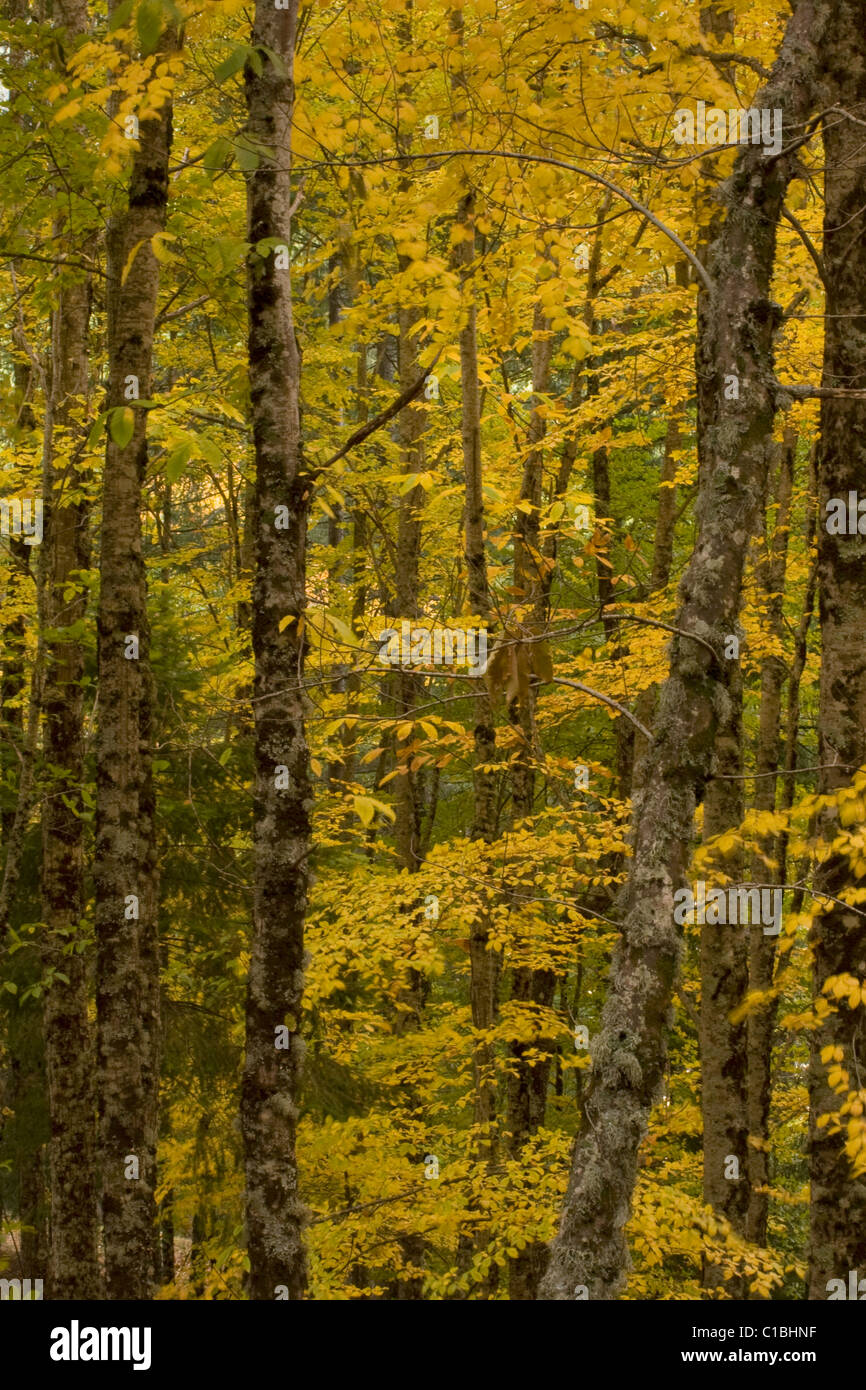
[484, 963]
[762, 949]
[530, 988]
[127, 989]
[735, 328]
[283, 794]
[792, 711]
[406, 591]
[837, 1231]
[724, 980]
[69, 1042]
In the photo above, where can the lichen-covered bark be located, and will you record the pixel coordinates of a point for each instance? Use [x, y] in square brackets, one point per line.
[762, 949]
[837, 1234]
[127, 994]
[724, 981]
[735, 328]
[269, 1110]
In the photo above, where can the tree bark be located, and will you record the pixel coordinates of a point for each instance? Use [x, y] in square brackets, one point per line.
[530, 988]
[735, 327]
[762, 949]
[484, 963]
[69, 1042]
[724, 980]
[283, 799]
[127, 984]
[837, 1232]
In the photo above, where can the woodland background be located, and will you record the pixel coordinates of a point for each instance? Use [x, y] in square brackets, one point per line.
[247, 468]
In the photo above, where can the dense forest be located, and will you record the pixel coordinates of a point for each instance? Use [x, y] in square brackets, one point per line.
[432, 659]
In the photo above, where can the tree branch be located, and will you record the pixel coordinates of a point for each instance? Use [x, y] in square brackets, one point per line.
[807, 242]
[382, 418]
[702, 272]
[605, 700]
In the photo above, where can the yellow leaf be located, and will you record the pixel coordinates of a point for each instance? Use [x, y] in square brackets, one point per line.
[162, 253]
[130, 258]
[365, 807]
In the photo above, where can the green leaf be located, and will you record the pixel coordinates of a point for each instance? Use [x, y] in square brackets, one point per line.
[216, 154]
[120, 16]
[148, 22]
[208, 450]
[96, 430]
[233, 63]
[276, 60]
[121, 425]
[245, 157]
[267, 244]
[177, 460]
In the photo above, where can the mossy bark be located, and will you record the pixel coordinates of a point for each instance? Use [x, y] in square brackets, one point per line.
[837, 1233]
[127, 990]
[735, 327]
[275, 1215]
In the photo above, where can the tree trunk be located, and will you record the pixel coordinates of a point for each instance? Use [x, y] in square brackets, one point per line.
[69, 1043]
[735, 327]
[762, 949]
[484, 963]
[127, 990]
[283, 795]
[724, 980]
[837, 1233]
[530, 988]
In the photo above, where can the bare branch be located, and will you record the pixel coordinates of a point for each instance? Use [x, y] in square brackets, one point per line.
[383, 417]
[807, 242]
[605, 700]
[184, 309]
[725, 59]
